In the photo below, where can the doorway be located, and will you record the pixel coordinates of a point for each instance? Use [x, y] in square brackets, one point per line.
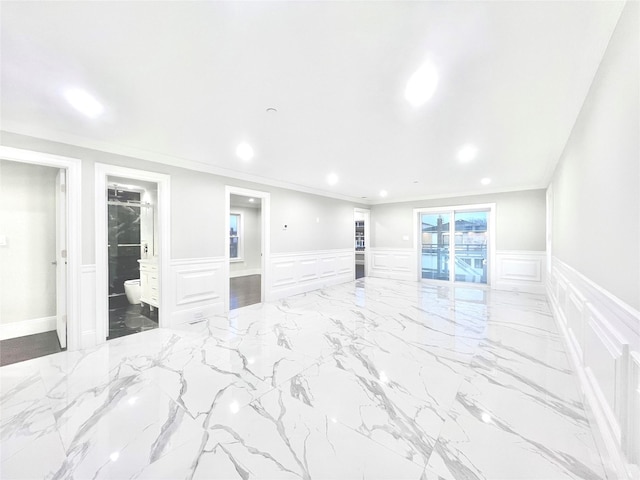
[38, 254]
[361, 220]
[246, 246]
[133, 260]
[132, 250]
[456, 243]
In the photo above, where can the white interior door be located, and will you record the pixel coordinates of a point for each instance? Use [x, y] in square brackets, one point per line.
[61, 257]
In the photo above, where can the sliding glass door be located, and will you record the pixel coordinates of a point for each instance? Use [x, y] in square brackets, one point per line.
[435, 246]
[454, 245]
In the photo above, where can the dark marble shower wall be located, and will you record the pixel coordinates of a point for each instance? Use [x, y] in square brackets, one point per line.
[124, 239]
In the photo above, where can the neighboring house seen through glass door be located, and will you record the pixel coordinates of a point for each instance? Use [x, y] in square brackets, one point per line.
[455, 250]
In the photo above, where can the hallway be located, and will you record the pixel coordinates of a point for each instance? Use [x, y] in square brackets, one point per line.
[368, 379]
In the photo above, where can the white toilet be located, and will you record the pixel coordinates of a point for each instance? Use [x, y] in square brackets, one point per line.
[132, 291]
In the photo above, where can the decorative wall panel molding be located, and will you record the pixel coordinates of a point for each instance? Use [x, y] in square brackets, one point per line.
[300, 272]
[88, 328]
[602, 335]
[394, 263]
[196, 289]
[521, 271]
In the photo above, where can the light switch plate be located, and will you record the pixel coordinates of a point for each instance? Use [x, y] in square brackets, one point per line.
[3, 240]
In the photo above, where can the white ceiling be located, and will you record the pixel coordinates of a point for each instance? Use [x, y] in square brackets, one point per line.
[185, 82]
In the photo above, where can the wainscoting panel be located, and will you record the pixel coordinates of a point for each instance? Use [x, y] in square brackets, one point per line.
[520, 271]
[602, 335]
[293, 273]
[90, 333]
[196, 288]
[398, 264]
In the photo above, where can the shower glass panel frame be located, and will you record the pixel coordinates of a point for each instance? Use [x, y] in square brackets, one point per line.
[124, 238]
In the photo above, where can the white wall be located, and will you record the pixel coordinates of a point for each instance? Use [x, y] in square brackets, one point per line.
[520, 219]
[596, 186]
[251, 238]
[519, 243]
[594, 283]
[319, 232]
[198, 206]
[28, 220]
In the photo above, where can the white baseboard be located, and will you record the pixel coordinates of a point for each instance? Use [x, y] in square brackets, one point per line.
[27, 327]
[601, 334]
[300, 272]
[244, 273]
[195, 314]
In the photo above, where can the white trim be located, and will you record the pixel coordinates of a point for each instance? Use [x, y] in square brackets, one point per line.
[520, 271]
[452, 209]
[197, 286]
[102, 171]
[73, 167]
[265, 237]
[300, 272]
[163, 159]
[393, 263]
[244, 273]
[601, 334]
[27, 327]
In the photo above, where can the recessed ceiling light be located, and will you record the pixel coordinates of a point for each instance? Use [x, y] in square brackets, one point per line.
[383, 193]
[421, 85]
[332, 179]
[84, 102]
[485, 181]
[244, 151]
[467, 153]
[252, 200]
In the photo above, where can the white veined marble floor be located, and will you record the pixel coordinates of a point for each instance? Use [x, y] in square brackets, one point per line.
[374, 379]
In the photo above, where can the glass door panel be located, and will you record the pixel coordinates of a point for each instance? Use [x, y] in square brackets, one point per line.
[434, 236]
[471, 247]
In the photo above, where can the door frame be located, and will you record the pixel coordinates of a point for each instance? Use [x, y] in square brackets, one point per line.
[73, 168]
[451, 209]
[102, 172]
[61, 258]
[367, 238]
[265, 236]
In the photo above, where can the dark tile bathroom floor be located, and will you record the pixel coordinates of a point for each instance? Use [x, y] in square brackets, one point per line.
[128, 319]
[24, 348]
[244, 291]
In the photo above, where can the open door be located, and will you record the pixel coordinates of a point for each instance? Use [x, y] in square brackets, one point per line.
[61, 257]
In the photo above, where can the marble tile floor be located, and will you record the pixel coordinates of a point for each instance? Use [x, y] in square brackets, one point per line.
[373, 379]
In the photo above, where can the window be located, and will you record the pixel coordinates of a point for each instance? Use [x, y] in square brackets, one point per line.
[235, 236]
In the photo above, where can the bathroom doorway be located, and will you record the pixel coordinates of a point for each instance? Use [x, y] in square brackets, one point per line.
[38, 254]
[246, 248]
[131, 250]
[361, 220]
[133, 286]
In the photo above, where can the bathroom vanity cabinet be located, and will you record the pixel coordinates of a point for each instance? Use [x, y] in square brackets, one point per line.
[149, 282]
